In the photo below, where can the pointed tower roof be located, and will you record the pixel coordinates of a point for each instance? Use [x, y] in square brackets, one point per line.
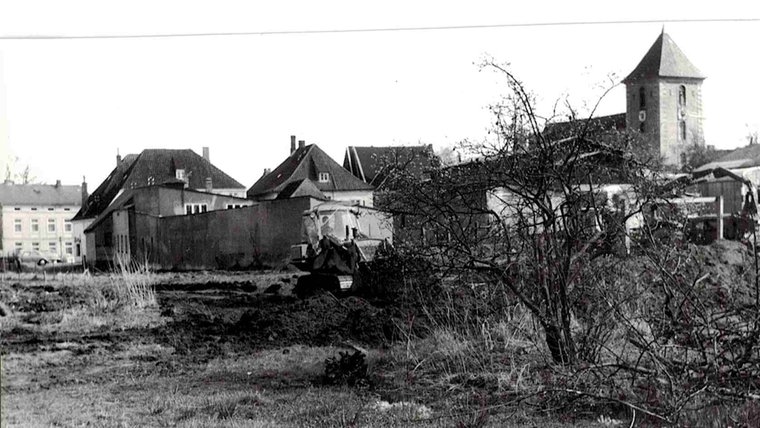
[664, 59]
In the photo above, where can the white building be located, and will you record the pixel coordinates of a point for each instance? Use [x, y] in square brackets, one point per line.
[38, 217]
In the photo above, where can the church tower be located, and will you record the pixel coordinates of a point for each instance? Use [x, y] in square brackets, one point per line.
[664, 100]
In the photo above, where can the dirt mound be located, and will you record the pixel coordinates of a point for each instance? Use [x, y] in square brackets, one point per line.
[318, 320]
[246, 286]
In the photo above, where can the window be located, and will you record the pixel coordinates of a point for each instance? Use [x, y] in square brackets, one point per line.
[51, 209]
[69, 248]
[34, 208]
[67, 209]
[35, 246]
[67, 227]
[35, 225]
[324, 177]
[17, 225]
[53, 247]
[51, 225]
[16, 209]
[642, 127]
[180, 174]
[682, 95]
[682, 130]
[151, 181]
[18, 245]
[233, 206]
[642, 98]
[195, 208]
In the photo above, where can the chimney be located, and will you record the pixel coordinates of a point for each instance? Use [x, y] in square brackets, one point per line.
[57, 184]
[85, 195]
[301, 144]
[292, 144]
[267, 171]
[118, 157]
[206, 154]
[209, 183]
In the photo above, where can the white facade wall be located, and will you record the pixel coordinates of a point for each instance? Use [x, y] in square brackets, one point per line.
[47, 229]
[360, 197]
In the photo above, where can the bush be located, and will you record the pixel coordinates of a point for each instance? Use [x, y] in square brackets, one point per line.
[347, 369]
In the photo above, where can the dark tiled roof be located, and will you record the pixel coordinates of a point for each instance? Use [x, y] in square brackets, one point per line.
[40, 194]
[155, 166]
[664, 59]
[743, 157]
[306, 163]
[595, 125]
[372, 164]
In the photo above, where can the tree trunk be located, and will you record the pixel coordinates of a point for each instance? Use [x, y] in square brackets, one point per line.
[561, 350]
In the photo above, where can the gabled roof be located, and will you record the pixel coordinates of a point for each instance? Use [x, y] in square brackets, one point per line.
[155, 166]
[743, 157]
[40, 194]
[664, 59]
[371, 164]
[306, 163]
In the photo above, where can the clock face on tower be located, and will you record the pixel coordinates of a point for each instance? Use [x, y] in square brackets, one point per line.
[642, 115]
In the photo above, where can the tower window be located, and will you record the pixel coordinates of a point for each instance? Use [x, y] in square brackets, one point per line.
[642, 98]
[682, 130]
[642, 127]
[682, 95]
[324, 177]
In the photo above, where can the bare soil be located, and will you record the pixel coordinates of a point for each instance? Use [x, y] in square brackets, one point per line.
[217, 350]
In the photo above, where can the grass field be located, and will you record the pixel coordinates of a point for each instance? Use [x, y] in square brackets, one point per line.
[236, 349]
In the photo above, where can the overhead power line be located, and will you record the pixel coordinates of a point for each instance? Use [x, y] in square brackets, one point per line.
[367, 30]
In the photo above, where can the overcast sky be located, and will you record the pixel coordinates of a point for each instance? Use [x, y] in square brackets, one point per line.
[68, 105]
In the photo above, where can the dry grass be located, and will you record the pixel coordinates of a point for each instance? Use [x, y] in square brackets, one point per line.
[135, 283]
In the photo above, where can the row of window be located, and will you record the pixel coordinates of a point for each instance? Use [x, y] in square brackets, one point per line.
[34, 225]
[52, 247]
[195, 208]
[36, 209]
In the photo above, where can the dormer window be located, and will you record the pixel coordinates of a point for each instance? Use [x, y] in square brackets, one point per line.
[180, 174]
[324, 177]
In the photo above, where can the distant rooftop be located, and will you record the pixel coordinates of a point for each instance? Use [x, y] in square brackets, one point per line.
[40, 194]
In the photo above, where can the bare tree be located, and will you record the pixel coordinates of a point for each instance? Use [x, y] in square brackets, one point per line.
[12, 173]
[530, 210]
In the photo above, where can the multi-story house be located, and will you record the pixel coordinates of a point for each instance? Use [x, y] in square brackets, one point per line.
[152, 167]
[38, 217]
[309, 171]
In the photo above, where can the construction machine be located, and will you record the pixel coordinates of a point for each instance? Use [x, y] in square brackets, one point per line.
[339, 242]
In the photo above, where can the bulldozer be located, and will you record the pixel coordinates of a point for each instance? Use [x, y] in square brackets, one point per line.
[339, 243]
